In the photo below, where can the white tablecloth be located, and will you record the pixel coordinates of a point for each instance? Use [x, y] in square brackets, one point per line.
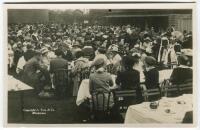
[164, 74]
[16, 85]
[84, 93]
[142, 113]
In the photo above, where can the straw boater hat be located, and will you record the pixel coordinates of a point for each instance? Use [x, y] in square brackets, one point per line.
[187, 52]
[113, 48]
[44, 50]
[147, 39]
[76, 44]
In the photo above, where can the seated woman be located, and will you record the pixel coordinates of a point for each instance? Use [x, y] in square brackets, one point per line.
[151, 73]
[183, 72]
[100, 80]
[129, 78]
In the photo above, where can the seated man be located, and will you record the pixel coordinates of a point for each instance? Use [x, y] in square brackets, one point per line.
[32, 77]
[129, 78]
[55, 65]
[183, 72]
[100, 80]
[151, 73]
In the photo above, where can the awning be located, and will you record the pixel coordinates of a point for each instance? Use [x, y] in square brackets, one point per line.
[146, 15]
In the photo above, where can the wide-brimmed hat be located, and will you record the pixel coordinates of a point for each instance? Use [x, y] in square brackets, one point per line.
[149, 60]
[113, 48]
[44, 50]
[100, 62]
[147, 39]
[76, 44]
[187, 52]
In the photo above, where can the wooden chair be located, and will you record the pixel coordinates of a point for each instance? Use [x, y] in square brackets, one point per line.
[60, 81]
[172, 65]
[171, 91]
[152, 94]
[100, 105]
[124, 98]
[186, 88]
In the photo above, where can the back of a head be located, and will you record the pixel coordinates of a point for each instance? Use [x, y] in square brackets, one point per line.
[58, 52]
[102, 50]
[183, 60]
[79, 54]
[129, 61]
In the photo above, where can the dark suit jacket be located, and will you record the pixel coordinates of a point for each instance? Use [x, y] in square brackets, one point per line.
[58, 63]
[181, 75]
[29, 54]
[129, 79]
[188, 118]
[152, 78]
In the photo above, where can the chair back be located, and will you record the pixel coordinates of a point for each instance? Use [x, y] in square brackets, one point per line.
[186, 88]
[101, 105]
[152, 94]
[60, 78]
[172, 90]
[124, 98]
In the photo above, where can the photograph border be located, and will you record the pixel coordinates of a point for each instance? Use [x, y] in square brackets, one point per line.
[161, 6]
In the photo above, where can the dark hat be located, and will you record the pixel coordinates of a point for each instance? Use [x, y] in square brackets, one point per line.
[58, 52]
[29, 46]
[183, 60]
[150, 60]
[102, 49]
[76, 44]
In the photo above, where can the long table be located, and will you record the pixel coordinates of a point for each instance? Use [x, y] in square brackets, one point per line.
[16, 86]
[170, 110]
[83, 92]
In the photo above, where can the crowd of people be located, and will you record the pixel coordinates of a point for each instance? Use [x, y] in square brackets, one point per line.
[36, 51]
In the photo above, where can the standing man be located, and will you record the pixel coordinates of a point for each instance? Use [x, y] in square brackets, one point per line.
[57, 67]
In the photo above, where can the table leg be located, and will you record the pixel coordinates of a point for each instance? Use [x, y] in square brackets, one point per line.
[22, 104]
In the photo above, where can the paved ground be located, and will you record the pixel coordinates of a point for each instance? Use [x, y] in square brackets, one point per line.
[47, 111]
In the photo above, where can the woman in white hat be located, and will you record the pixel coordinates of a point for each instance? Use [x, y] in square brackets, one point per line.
[45, 62]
